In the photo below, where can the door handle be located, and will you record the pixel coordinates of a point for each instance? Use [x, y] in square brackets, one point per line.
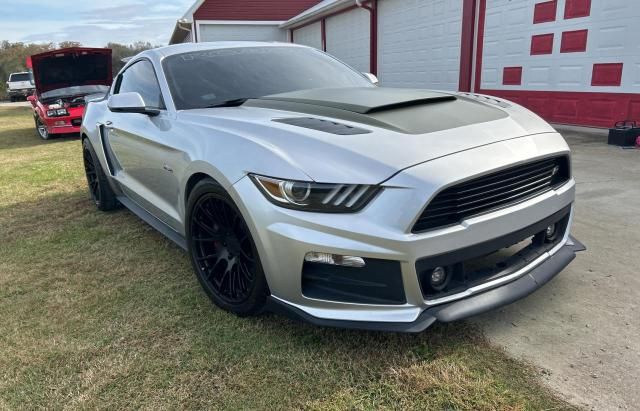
[109, 125]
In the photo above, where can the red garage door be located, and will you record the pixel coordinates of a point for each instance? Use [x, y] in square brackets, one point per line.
[571, 61]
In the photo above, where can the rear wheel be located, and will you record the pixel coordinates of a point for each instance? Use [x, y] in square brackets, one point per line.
[223, 253]
[99, 188]
[41, 128]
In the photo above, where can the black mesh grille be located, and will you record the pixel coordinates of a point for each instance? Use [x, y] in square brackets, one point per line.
[493, 191]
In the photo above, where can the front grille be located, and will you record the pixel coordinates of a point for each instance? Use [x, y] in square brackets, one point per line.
[493, 191]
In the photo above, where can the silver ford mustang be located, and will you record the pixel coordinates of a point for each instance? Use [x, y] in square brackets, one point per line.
[298, 186]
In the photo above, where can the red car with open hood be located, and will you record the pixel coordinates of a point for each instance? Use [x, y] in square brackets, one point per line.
[63, 79]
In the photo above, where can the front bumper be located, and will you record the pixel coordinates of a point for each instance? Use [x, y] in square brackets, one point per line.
[382, 231]
[21, 93]
[63, 125]
[457, 310]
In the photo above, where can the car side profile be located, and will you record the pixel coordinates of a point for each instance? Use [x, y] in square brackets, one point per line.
[298, 186]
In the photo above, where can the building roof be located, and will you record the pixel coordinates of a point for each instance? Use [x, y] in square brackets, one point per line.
[263, 10]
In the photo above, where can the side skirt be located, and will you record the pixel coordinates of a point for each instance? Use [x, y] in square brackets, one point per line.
[150, 219]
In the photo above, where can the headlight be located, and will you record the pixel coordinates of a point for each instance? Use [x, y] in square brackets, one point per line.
[318, 197]
[57, 112]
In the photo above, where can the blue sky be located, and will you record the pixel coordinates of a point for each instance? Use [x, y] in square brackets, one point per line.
[91, 22]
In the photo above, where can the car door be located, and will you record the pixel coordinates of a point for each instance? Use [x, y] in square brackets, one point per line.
[143, 147]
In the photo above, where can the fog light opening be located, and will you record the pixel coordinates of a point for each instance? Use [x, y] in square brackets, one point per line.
[551, 232]
[334, 259]
[438, 278]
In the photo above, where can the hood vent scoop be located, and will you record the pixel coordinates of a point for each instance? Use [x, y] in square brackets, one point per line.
[323, 125]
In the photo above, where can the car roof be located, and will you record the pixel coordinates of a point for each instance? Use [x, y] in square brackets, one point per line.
[215, 45]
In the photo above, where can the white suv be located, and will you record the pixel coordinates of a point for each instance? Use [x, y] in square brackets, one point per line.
[20, 85]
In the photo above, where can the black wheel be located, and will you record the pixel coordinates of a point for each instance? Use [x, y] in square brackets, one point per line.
[12, 98]
[99, 188]
[222, 251]
[41, 128]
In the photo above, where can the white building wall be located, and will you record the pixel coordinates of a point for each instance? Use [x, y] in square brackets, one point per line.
[240, 32]
[613, 37]
[419, 43]
[348, 38]
[310, 35]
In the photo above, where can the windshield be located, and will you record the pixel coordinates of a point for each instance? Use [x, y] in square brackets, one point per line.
[205, 78]
[74, 91]
[20, 77]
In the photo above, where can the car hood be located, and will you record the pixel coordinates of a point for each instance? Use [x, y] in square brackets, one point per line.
[367, 135]
[76, 66]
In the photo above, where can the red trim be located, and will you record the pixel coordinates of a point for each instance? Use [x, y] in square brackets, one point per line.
[609, 74]
[323, 34]
[512, 76]
[542, 44]
[545, 12]
[195, 30]
[373, 36]
[577, 8]
[574, 41]
[584, 109]
[466, 51]
[372, 7]
[480, 44]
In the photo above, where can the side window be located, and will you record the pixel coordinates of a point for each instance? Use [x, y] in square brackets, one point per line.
[141, 78]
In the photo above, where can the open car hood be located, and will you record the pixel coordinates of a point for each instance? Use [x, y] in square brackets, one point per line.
[77, 66]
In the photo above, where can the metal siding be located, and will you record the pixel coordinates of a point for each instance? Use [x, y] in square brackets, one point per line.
[310, 35]
[348, 38]
[420, 43]
[612, 35]
[252, 9]
[241, 32]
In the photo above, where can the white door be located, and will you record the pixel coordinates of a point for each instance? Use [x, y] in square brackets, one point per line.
[570, 61]
[419, 43]
[310, 35]
[348, 38]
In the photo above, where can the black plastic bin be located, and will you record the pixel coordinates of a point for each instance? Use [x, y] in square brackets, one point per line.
[624, 133]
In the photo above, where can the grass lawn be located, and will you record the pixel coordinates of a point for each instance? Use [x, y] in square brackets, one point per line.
[97, 310]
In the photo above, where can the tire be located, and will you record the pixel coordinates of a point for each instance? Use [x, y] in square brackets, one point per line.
[222, 251]
[41, 129]
[99, 188]
[13, 99]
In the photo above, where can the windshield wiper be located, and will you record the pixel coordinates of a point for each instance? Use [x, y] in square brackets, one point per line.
[230, 103]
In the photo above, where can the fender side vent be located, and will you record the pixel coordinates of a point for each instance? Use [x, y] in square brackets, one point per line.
[112, 161]
[323, 125]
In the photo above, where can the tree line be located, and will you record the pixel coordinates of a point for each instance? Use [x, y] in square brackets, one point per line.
[13, 56]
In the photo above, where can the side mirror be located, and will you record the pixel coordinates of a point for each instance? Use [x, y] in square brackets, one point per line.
[130, 103]
[31, 98]
[372, 78]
